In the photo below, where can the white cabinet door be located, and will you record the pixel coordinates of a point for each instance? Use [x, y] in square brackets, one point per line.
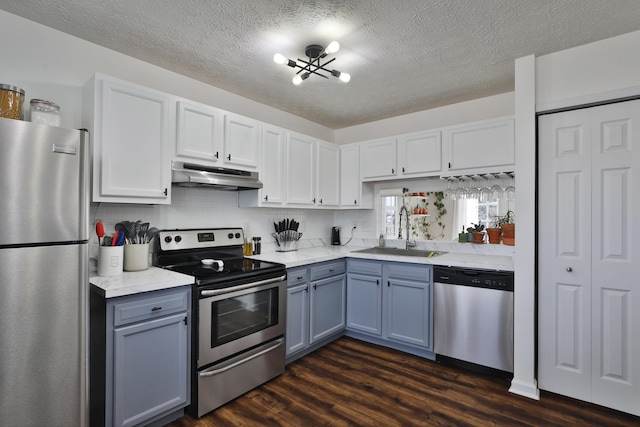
[379, 159]
[420, 154]
[350, 184]
[589, 297]
[483, 147]
[301, 170]
[328, 174]
[133, 130]
[199, 132]
[241, 142]
[273, 168]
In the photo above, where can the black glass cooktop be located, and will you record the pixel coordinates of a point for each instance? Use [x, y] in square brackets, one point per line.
[232, 271]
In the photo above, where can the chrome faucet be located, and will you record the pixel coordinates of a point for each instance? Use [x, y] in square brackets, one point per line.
[406, 212]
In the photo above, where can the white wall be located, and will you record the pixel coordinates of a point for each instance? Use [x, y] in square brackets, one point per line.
[606, 69]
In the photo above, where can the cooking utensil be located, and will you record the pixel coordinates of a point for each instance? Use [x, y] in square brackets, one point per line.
[100, 231]
[114, 239]
[120, 240]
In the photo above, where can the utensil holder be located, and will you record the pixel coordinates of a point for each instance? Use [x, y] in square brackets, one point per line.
[110, 260]
[136, 257]
[287, 240]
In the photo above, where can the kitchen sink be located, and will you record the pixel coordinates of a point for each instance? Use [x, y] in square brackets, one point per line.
[400, 252]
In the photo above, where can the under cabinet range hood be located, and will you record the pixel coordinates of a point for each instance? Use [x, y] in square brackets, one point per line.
[194, 175]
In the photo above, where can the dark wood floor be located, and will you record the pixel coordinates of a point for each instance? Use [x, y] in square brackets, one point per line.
[352, 383]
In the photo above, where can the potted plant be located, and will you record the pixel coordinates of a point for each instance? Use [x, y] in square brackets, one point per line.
[494, 232]
[478, 232]
[506, 223]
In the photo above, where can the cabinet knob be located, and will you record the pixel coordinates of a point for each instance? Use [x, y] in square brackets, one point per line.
[266, 198]
[377, 282]
[388, 283]
[355, 202]
[569, 269]
[300, 277]
[393, 171]
[229, 157]
[217, 155]
[314, 200]
[306, 289]
[315, 286]
[166, 192]
[403, 169]
[320, 201]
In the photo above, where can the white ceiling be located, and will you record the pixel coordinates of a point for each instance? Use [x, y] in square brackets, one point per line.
[403, 55]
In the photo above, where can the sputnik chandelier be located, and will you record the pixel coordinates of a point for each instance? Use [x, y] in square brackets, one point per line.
[315, 54]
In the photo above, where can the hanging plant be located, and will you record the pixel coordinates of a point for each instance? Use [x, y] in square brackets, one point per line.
[432, 227]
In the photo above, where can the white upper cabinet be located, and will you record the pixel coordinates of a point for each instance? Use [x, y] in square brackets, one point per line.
[133, 132]
[379, 159]
[272, 173]
[420, 154]
[241, 142]
[301, 170]
[353, 194]
[481, 147]
[350, 184]
[199, 132]
[328, 174]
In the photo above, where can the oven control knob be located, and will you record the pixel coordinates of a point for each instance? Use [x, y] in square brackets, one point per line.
[237, 235]
[168, 239]
[178, 239]
[230, 236]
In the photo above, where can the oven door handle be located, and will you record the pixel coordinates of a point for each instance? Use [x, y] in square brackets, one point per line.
[209, 373]
[210, 293]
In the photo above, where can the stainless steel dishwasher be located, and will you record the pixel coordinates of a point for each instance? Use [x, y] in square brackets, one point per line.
[474, 317]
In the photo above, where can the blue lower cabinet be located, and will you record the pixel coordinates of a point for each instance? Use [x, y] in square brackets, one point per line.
[392, 301]
[316, 306]
[140, 357]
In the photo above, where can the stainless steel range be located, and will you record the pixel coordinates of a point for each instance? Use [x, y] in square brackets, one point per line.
[239, 305]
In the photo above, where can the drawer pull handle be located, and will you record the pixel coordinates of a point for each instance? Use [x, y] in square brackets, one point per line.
[300, 277]
[156, 308]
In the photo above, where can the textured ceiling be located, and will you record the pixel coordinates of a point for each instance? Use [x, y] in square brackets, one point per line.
[403, 55]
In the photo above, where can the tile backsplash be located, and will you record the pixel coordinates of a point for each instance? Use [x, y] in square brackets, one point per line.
[207, 208]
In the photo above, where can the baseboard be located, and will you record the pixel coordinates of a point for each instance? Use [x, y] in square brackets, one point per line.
[525, 389]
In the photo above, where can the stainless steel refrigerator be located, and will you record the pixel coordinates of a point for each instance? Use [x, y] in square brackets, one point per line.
[44, 275]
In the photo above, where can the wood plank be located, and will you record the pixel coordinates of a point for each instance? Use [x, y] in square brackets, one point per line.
[354, 383]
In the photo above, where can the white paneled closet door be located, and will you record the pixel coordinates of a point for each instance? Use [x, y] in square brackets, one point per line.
[589, 291]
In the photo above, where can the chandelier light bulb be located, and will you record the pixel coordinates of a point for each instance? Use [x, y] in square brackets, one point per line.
[297, 80]
[345, 77]
[279, 58]
[333, 47]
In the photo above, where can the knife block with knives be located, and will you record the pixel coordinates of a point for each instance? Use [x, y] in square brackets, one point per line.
[287, 235]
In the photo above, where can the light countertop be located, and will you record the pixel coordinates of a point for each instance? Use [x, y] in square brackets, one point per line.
[135, 282]
[154, 278]
[312, 255]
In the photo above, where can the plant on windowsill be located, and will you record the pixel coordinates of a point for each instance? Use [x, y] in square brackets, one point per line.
[478, 232]
[506, 223]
